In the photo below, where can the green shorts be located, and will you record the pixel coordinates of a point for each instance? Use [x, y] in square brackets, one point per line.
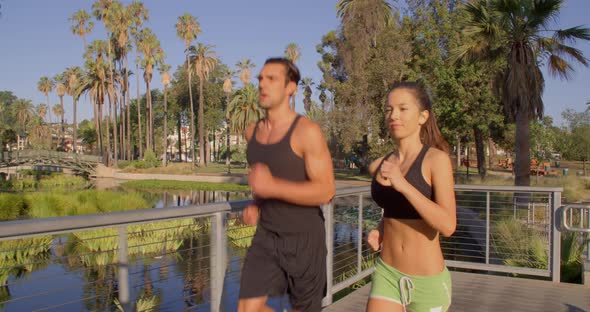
[415, 293]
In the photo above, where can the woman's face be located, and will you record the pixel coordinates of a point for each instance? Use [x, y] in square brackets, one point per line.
[403, 115]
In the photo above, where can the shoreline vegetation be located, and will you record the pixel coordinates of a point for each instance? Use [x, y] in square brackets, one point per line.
[185, 185]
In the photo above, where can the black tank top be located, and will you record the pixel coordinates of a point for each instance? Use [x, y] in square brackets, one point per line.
[277, 215]
[394, 204]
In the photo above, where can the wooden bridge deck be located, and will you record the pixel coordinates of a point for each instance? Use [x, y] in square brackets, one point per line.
[480, 292]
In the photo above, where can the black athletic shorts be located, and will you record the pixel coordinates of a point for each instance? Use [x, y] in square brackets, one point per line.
[292, 263]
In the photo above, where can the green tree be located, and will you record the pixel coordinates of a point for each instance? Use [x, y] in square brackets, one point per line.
[81, 25]
[204, 61]
[73, 76]
[59, 111]
[516, 31]
[46, 85]
[293, 53]
[306, 84]
[104, 10]
[61, 90]
[139, 14]
[23, 113]
[245, 66]
[227, 89]
[166, 79]
[244, 108]
[153, 55]
[187, 29]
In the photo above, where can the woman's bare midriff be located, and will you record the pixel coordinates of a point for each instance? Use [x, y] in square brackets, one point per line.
[412, 247]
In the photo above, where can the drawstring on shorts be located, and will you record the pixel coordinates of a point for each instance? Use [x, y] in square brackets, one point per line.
[406, 286]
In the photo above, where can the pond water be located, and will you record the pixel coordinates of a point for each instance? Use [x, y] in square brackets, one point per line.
[76, 272]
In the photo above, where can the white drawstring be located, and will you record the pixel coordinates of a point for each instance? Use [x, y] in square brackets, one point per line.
[406, 286]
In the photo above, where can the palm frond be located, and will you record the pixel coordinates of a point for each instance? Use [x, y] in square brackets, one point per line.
[570, 35]
[558, 67]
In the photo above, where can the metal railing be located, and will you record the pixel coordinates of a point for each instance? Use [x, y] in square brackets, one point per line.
[490, 218]
[191, 256]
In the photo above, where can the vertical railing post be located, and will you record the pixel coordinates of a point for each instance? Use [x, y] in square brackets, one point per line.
[555, 260]
[123, 269]
[488, 227]
[328, 210]
[217, 260]
[359, 250]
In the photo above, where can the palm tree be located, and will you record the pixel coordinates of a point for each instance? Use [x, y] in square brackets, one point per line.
[23, 112]
[244, 108]
[166, 80]
[204, 61]
[123, 21]
[187, 28]
[149, 46]
[138, 14]
[245, 66]
[73, 76]
[46, 85]
[104, 10]
[374, 14]
[515, 31]
[322, 97]
[227, 89]
[61, 91]
[59, 111]
[94, 82]
[41, 111]
[81, 25]
[306, 84]
[293, 53]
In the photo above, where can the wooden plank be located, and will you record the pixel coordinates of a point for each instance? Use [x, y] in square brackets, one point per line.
[481, 292]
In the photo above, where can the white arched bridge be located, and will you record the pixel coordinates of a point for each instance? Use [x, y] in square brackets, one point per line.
[79, 163]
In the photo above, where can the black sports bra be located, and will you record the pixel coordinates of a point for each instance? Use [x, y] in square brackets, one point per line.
[394, 204]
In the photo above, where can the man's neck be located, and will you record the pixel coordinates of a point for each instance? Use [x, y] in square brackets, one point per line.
[278, 115]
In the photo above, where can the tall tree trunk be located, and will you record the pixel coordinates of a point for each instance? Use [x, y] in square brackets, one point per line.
[522, 164]
[202, 147]
[152, 137]
[190, 94]
[179, 138]
[61, 125]
[148, 117]
[165, 158]
[115, 133]
[140, 141]
[108, 121]
[75, 139]
[458, 152]
[49, 111]
[492, 150]
[122, 126]
[128, 107]
[99, 129]
[228, 147]
[112, 103]
[479, 150]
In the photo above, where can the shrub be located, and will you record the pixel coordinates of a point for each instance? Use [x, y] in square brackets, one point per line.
[12, 207]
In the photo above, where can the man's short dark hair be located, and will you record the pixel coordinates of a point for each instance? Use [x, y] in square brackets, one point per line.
[292, 70]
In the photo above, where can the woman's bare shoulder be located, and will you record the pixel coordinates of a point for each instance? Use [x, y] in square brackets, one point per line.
[374, 166]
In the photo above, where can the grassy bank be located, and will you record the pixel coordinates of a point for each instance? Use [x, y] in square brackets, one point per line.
[187, 168]
[185, 185]
[57, 204]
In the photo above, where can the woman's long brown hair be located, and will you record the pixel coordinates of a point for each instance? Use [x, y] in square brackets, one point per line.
[430, 133]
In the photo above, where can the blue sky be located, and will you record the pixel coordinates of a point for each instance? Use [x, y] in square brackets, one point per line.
[36, 41]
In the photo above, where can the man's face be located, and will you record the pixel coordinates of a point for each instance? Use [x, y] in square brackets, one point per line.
[272, 86]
